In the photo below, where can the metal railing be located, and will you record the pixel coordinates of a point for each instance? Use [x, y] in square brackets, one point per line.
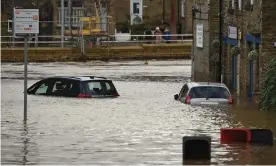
[92, 41]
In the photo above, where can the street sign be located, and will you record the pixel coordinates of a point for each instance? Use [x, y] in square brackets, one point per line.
[26, 21]
[199, 35]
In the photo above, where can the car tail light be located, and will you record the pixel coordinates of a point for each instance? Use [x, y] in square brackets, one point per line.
[230, 100]
[116, 94]
[188, 100]
[81, 95]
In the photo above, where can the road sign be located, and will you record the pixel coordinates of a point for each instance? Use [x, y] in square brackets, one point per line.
[26, 21]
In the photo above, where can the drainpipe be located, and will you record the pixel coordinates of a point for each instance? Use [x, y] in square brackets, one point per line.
[238, 63]
[62, 22]
[70, 16]
[173, 19]
[163, 12]
[220, 38]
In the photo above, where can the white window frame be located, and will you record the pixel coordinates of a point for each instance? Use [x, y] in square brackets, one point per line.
[183, 6]
[233, 4]
[240, 4]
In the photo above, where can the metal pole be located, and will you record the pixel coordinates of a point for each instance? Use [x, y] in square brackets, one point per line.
[62, 23]
[163, 12]
[25, 75]
[220, 38]
[173, 19]
[70, 16]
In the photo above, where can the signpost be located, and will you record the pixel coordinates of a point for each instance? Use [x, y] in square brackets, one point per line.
[26, 23]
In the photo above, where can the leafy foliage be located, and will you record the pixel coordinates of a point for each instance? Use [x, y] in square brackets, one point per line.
[235, 50]
[215, 44]
[268, 92]
[253, 54]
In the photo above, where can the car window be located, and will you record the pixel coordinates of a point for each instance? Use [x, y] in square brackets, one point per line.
[65, 87]
[42, 89]
[95, 87]
[184, 91]
[100, 87]
[209, 91]
[58, 86]
[107, 85]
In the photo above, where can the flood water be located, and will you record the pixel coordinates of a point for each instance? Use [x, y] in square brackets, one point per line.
[145, 125]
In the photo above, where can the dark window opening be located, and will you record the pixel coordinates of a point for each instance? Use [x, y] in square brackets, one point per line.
[136, 9]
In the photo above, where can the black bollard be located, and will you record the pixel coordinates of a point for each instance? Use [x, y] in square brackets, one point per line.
[196, 148]
[261, 136]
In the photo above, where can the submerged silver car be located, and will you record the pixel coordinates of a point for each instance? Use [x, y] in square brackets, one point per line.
[204, 93]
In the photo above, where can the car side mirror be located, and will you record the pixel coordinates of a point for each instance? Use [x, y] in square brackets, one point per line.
[176, 97]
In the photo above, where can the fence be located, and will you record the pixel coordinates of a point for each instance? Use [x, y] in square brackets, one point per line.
[90, 41]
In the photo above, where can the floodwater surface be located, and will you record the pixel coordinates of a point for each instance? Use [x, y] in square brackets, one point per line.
[145, 125]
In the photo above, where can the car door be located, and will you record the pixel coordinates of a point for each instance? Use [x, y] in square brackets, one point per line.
[183, 93]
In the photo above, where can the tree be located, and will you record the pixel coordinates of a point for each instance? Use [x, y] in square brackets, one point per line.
[268, 92]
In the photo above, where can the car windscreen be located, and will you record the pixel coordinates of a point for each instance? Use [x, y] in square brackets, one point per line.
[209, 92]
[101, 87]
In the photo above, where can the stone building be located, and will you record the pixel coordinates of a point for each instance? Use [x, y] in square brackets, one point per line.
[248, 26]
[153, 13]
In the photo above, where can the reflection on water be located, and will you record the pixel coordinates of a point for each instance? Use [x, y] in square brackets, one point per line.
[143, 126]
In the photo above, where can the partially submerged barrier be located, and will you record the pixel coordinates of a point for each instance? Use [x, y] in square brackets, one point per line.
[234, 135]
[196, 147]
[245, 135]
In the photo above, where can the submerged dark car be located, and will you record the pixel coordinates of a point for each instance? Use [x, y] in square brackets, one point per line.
[74, 86]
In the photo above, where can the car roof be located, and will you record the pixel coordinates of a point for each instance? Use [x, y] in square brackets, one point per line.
[82, 78]
[195, 84]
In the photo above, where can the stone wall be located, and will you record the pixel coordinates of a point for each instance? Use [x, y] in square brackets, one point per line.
[145, 51]
[200, 56]
[248, 22]
[268, 35]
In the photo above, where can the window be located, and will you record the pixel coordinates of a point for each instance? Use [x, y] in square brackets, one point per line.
[66, 87]
[95, 87]
[209, 92]
[42, 89]
[231, 4]
[240, 4]
[183, 3]
[236, 4]
[136, 9]
[76, 13]
[100, 87]
[184, 91]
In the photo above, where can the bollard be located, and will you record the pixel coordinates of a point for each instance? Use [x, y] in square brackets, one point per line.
[196, 147]
[262, 136]
[235, 135]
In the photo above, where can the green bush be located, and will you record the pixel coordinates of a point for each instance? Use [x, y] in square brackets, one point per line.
[268, 92]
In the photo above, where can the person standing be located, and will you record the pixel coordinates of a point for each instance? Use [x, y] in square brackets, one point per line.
[158, 35]
[148, 36]
[167, 34]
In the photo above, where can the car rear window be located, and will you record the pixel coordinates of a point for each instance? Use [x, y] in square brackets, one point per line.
[209, 92]
[100, 87]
